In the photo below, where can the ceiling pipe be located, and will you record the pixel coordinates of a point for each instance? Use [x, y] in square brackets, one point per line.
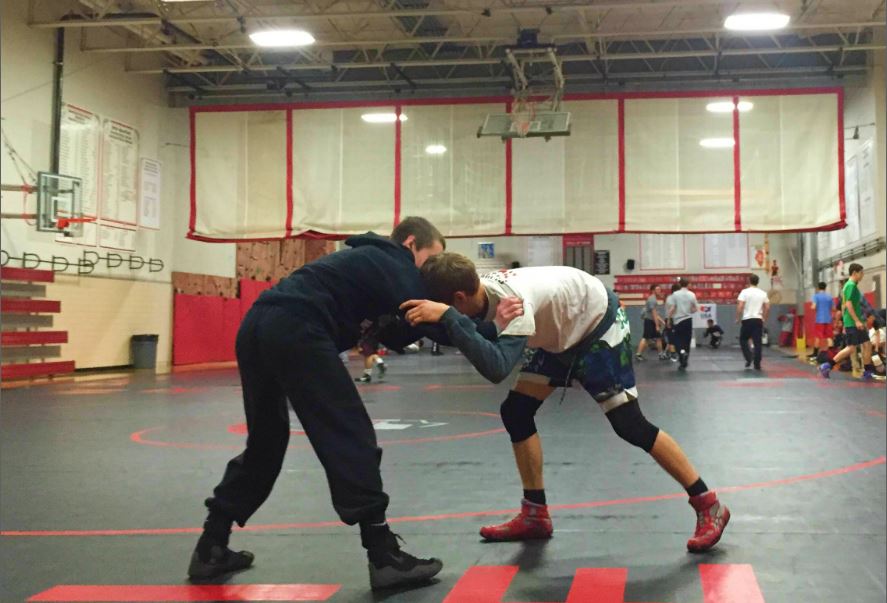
[123, 18]
[576, 79]
[495, 61]
[505, 40]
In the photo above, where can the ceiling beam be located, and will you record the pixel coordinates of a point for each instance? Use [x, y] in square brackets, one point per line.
[382, 14]
[411, 41]
[629, 56]
[246, 90]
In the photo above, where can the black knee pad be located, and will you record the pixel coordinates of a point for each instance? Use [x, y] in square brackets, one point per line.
[517, 413]
[631, 425]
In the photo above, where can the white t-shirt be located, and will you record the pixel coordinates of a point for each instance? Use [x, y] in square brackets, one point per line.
[685, 305]
[562, 305]
[754, 299]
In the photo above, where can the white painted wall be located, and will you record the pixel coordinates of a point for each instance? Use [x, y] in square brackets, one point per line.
[623, 247]
[864, 103]
[100, 312]
[98, 83]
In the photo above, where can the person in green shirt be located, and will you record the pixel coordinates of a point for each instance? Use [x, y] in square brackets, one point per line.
[854, 328]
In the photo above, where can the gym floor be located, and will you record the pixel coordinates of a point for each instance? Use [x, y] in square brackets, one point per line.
[103, 482]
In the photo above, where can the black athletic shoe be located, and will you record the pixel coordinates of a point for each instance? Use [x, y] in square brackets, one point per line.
[364, 379]
[747, 365]
[390, 566]
[220, 560]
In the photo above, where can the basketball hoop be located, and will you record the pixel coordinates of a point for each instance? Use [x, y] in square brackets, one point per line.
[522, 115]
[63, 223]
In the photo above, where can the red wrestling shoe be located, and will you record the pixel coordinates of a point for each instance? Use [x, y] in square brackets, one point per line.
[711, 519]
[532, 522]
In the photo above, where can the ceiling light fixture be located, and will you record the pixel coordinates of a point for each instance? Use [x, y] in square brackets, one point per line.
[382, 118]
[717, 143]
[435, 149]
[763, 21]
[281, 38]
[728, 106]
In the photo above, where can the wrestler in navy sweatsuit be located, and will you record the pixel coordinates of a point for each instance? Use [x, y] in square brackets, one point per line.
[287, 348]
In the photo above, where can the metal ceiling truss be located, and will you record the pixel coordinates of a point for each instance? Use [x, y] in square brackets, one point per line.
[379, 47]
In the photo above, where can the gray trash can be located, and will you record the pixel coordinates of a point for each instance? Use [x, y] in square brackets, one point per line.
[144, 351]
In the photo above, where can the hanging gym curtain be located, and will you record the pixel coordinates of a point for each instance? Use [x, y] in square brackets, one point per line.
[645, 162]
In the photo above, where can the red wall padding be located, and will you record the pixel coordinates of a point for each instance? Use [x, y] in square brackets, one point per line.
[230, 324]
[205, 328]
[197, 322]
[249, 292]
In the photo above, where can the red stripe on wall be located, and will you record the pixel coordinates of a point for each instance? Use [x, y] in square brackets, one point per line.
[508, 179]
[841, 200]
[397, 143]
[621, 135]
[289, 172]
[26, 306]
[737, 174]
[202, 592]
[28, 275]
[36, 369]
[11, 338]
[192, 125]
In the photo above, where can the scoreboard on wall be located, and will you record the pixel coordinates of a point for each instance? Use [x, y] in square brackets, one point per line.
[715, 288]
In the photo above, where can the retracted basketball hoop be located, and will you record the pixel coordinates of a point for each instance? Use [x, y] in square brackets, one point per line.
[537, 92]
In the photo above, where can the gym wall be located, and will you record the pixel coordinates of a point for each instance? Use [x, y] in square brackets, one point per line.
[863, 107]
[100, 311]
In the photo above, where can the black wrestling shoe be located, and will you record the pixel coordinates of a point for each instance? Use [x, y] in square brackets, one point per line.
[364, 379]
[217, 561]
[390, 566]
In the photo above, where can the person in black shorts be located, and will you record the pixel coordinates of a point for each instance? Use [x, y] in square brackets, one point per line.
[652, 323]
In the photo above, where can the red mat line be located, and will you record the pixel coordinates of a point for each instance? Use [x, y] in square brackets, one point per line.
[420, 518]
[203, 592]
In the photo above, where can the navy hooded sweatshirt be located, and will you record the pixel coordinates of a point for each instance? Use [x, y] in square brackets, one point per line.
[342, 289]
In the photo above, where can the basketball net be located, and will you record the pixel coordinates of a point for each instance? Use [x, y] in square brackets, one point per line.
[522, 115]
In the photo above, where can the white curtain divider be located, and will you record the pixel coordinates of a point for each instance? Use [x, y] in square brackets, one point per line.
[343, 171]
[449, 175]
[569, 184]
[672, 182]
[679, 169]
[240, 177]
[789, 148]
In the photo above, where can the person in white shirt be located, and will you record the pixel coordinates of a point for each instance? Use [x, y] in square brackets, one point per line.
[681, 313]
[752, 310]
[668, 331]
[580, 333]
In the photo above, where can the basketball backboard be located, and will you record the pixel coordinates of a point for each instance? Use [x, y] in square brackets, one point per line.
[59, 205]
